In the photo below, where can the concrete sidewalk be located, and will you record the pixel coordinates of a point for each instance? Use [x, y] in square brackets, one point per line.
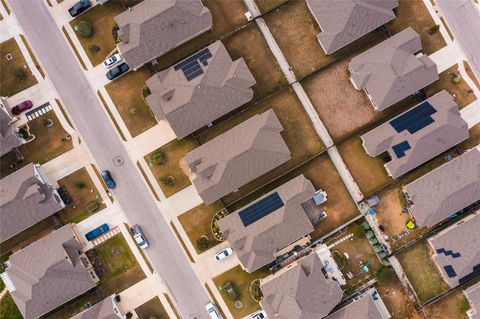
[471, 113]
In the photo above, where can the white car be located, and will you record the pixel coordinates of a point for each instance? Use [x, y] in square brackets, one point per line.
[259, 315]
[223, 254]
[111, 61]
[138, 236]
[212, 311]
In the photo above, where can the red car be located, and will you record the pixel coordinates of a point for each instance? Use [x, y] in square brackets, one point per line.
[25, 105]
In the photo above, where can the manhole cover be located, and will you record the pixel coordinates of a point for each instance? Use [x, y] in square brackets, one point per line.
[118, 161]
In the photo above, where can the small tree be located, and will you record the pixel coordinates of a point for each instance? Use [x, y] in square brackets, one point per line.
[255, 290]
[129, 315]
[146, 91]
[203, 243]
[84, 28]
[168, 180]
[80, 185]
[23, 133]
[93, 48]
[159, 158]
[434, 29]
[20, 74]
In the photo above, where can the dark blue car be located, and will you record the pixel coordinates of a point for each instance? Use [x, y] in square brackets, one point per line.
[107, 178]
[97, 232]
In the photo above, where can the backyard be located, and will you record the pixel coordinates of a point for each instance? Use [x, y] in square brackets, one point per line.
[452, 306]
[152, 309]
[101, 18]
[240, 281]
[197, 223]
[396, 299]
[268, 5]
[86, 200]
[126, 94]
[15, 75]
[164, 162]
[421, 271]
[8, 308]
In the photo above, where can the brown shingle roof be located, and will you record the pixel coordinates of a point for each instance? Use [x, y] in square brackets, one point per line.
[256, 243]
[342, 22]
[390, 71]
[190, 105]
[364, 308]
[48, 273]
[105, 309]
[8, 139]
[26, 198]
[238, 156]
[152, 28]
[447, 130]
[445, 190]
[473, 296]
[300, 292]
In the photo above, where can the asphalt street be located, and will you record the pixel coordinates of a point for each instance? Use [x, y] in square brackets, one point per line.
[104, 144]
[463, 20]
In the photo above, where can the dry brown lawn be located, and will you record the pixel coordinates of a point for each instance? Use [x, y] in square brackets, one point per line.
[397, 301]
[474, 138]
[126, 94]
[152, 309]
[452, 306]
[414, 13]
[471, 75]
[268, 5]
[367, 171]
[461, 91]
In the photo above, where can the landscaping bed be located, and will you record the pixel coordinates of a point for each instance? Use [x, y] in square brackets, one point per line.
[152, 309]
[7, 164]
[170, 154]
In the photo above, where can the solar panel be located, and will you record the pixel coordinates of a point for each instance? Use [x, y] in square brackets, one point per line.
[448, 253]
[414, 119]
[415, 127]
[260, 209]
[190, 66]
[450, 271]
[400, 148]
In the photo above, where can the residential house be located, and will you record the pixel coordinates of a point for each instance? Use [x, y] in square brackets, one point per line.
[108, 308]
[369, 305]
[200, 89]
[9, 136]
[457, 251]
[418, 135]
[445, 190]
[343, 22]
[259, 231]
[473, 297]
[48, 273]
[393, 69]
[27, 197]
[152, 28]
[238, 156]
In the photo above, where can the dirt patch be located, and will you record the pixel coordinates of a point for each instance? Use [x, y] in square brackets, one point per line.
[268, 5]
[397, 301]
[152, 309]
[453, 306]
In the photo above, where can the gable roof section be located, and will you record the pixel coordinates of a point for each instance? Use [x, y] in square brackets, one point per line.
[190, 101]
[238, 156]
[342, 22]
[457, 251]
[152, 28]
[8, 139]
[256, 243]
[26, 199]
[48, 273]
[105, 309]
[445, 190]
[390, 71]
[300, 292]
[473, 296]
[364, 308]
[418, 135]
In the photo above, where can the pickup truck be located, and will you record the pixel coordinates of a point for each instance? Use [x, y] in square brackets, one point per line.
[97, 232]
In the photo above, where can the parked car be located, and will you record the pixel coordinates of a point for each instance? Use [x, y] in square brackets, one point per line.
[25, 105]
[212, 311]
[115, 72]
[111, 61]
[97, 232]
[107, 178]
[138, 236]
[259, 315]
[223, 254]
[79, 7]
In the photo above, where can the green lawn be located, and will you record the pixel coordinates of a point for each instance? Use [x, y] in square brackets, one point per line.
[152, 309]
[8, 308]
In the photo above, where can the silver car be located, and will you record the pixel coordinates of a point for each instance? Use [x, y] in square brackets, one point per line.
[138, 236]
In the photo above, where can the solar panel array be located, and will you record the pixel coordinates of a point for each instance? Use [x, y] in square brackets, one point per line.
[400, 148]
[415, 119]
[191, 67]
[450, 271]
[261, 209]
[448, 253]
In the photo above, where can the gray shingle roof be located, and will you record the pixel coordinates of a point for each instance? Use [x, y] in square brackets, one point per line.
[445, 190]
[48, 273]
[447, 130]
[190, 105]
[344, 21]
[238, 156]
[363, 308]
[26, 199]
[105, 309]
[152, 28]
[390, 72]
[473, 296]
[8, 139]
[300, 292]
[458, 248]
[256, 243]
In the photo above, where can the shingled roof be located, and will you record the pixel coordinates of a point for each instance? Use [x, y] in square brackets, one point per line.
[152, 28]
[190, 99]
[238, 156]
[8, 139]
[105, 309]
[26, 199]
[473, 296]
[418, 135]
[457, 251]
[369, 306]
[256, 243]
[48, 273]
[445, 190]
[342, 22]
[300, 292]
[390, 71]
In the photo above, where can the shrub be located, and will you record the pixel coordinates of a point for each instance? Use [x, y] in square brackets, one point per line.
[385, 274]
[455, 78]
[434, 29]
[356, 230]
[159, 158]
[129, 315]
[93, 48]
[340, 259]
[23, 133]
[92, 206]
[80, 185]
[255, 290]
[168, 180]
[20, 74]
[146, 91]
[84, 28]
[203, 243]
